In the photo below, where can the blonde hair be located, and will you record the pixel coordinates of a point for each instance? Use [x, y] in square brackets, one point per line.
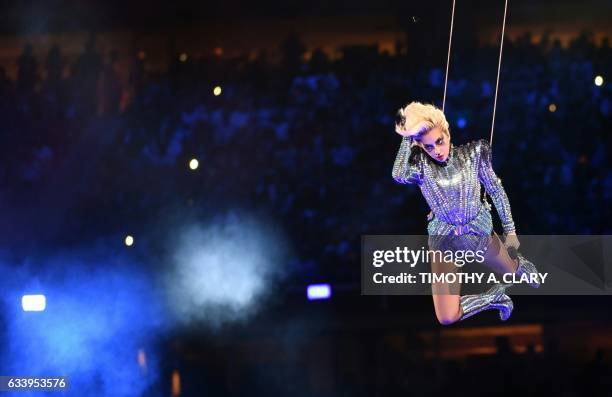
[416, 119]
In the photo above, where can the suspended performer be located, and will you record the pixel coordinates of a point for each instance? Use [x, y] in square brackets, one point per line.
[450, 178]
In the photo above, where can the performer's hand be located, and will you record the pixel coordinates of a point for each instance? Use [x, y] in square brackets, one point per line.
[411, 139]
[512, 241]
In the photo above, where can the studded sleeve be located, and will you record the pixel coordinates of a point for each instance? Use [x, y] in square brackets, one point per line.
[493, 186]
[407, 167]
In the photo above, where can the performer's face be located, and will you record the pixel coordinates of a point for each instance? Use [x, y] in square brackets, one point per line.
[436, 144]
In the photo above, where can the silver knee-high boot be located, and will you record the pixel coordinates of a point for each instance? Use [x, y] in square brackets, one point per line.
[494, 298]
[527, 267]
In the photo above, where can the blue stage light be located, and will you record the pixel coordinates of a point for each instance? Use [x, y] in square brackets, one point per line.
[104, 311]
[318, 291]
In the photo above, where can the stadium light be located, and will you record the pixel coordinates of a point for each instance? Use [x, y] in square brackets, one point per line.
[33, 303]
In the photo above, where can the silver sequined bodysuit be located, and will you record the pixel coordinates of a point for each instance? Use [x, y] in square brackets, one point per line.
[453, 189]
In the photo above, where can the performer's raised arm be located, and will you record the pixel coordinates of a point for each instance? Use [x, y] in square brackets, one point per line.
[407, 168]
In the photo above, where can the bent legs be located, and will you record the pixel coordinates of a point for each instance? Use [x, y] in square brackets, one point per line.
[497, 257]
[446, 296]
[499, 260]
[451, 307]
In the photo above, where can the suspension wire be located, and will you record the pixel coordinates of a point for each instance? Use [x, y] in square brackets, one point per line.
[450, 40]
[501, 47]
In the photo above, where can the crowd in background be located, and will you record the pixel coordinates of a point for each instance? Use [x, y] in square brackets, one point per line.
[309, 142]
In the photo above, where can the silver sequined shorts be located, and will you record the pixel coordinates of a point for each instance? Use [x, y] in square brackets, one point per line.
[473, 236]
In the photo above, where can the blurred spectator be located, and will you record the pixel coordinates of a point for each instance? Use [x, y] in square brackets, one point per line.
[27, 70]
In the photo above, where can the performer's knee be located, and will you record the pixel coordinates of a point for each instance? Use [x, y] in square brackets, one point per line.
[447, 317]
[447, 320]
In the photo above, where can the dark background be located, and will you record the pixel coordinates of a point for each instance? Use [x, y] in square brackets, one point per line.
[104, 104]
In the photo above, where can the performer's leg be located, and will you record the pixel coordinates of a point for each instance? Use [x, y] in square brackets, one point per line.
[446, 296]
[498, 258]
[494, 298]
[450, 307]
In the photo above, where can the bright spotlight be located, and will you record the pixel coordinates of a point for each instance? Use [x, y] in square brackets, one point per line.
[129, 241]
[183, 57]
[552, 108]
[33, 303]
[599, 81]
[217, 91]
[193, 164]
[318, 291]
[462, 122]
